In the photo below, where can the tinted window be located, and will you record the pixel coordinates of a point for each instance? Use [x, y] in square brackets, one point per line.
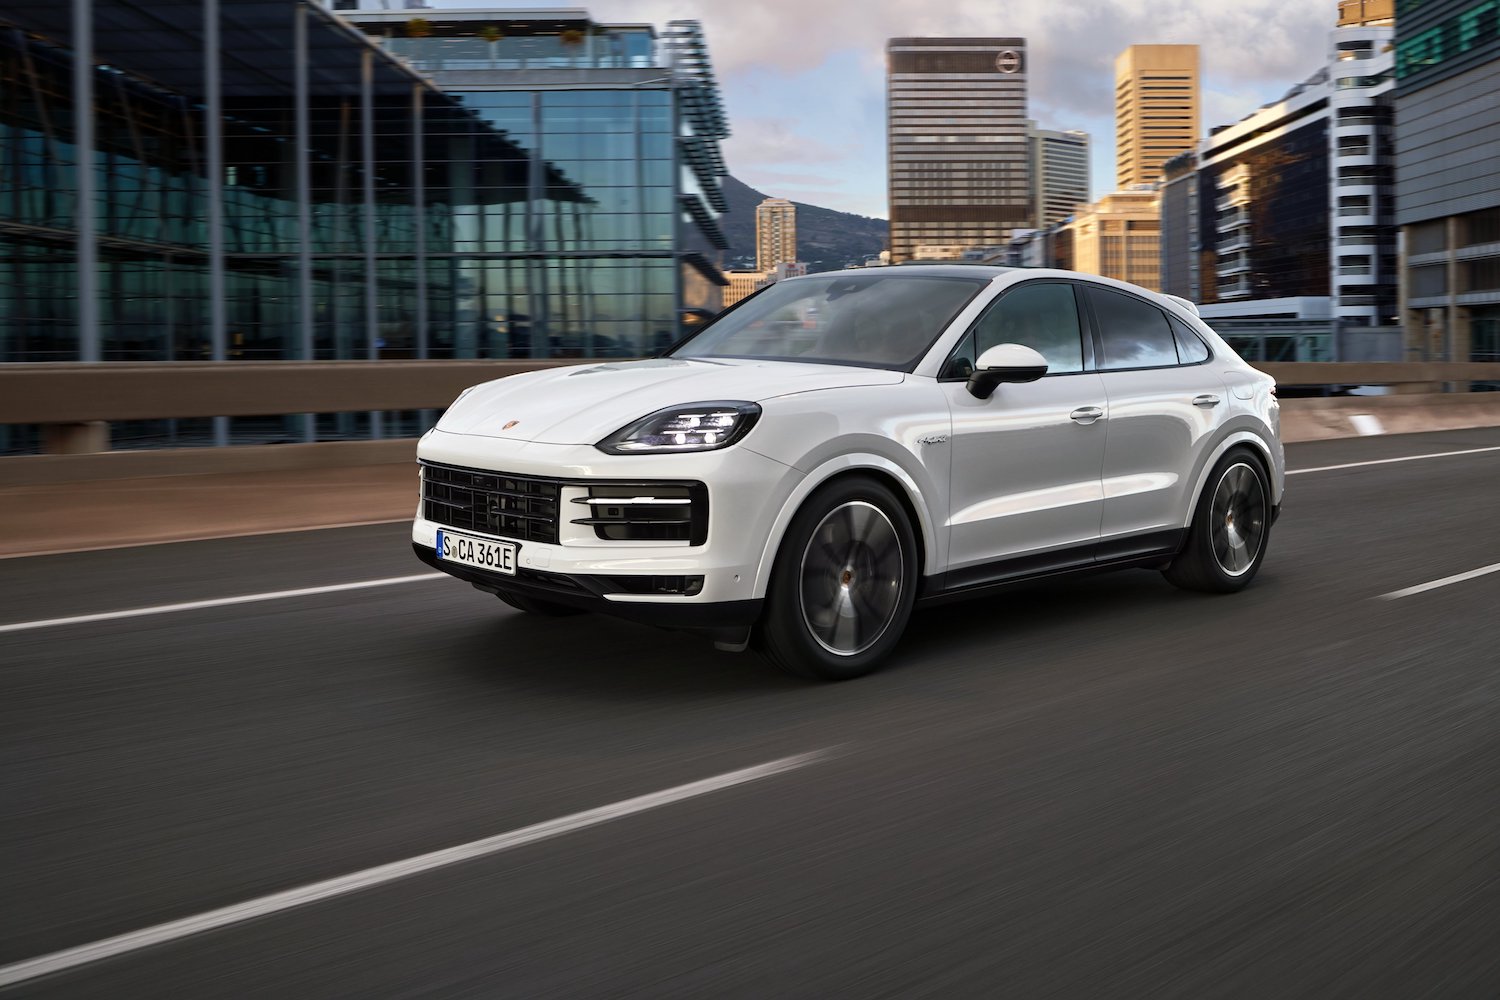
[1042, 316]
[1134, 332]
[879, 320]
[1190, 349]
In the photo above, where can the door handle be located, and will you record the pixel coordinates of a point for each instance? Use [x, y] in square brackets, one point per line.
[1086, 414]
[1208, 401]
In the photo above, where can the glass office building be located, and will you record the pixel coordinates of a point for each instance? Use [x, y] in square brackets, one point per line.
[297, 192]
[630, 117]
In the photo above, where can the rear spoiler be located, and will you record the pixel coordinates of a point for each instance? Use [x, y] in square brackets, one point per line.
[1182, 302]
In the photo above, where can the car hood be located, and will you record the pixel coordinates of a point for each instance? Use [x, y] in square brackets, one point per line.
[582, 404]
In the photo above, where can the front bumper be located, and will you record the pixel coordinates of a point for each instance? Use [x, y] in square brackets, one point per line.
[594, 593]
[746, 492]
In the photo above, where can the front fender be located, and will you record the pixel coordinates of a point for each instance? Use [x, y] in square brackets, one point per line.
[853, 462]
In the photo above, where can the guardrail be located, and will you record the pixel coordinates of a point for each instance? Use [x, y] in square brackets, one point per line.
[74, 402]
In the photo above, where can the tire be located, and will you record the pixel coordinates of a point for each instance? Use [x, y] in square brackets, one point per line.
[844, 583]
[539, 606]
[1230, 530]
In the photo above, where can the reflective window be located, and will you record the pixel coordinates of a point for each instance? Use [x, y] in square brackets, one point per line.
[875, 320]
[1191, 349]
[1134, 333]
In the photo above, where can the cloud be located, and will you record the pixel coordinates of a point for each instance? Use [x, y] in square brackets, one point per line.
[776, 140]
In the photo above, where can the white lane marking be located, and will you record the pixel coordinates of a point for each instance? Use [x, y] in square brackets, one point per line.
[1366, 424]
[1422, 588]
[1388, 461]
[217, 602]
[69, 958]
[204, 538]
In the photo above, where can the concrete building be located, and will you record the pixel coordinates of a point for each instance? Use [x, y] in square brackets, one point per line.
[957, 158]
[1059, 173]
[1178, 192]
[1119, 237]
[1156, 110]
[1447, 181]
[741, 284]
[1367, 13]
[775, 233]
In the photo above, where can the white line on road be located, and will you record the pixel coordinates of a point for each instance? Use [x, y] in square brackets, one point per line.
[70, 958]
[217, 602]
[1388, 461]
[1422, 588]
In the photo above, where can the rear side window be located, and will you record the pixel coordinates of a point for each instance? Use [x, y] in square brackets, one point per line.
[1134, 333]
[1191, 350]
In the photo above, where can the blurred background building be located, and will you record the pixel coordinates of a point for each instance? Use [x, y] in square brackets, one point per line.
[958, 165]
[270, 180]
[1447, 179]
[1156, 110]
[1281, 225]
[1119, 237]
[1059, 173]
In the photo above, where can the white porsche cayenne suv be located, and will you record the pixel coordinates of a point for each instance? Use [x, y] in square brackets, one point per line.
[834, 450]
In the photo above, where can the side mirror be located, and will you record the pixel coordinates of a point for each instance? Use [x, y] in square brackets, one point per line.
[1005, 363]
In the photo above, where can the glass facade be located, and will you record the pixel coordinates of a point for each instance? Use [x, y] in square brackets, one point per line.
[1280, 224]
[1471, 28]
[508, 220]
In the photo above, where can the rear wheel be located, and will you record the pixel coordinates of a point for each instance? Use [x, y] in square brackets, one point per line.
[539, 606]
[1231, 525]
[844, 582]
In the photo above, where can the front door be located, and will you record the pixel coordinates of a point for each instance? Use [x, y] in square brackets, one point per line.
[1027, 462]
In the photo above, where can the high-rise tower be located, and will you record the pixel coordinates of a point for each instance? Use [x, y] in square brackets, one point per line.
[1156, 110]
[775, 233]
[956, 142]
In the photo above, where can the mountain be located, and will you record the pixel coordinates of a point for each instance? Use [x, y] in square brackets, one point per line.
[826, 240]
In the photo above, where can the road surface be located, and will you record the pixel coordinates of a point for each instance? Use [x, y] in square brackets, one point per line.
[1098, 787]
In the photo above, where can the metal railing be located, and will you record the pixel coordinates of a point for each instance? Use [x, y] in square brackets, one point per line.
[79, 395]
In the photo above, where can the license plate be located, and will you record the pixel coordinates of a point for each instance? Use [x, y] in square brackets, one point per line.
[481, 553]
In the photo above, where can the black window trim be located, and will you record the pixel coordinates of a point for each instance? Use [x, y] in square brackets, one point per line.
[1085, 329]
[1166, 315]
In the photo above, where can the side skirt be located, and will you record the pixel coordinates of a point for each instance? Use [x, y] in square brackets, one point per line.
[1152, 549]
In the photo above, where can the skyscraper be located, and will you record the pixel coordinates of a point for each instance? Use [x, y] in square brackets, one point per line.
[1156, 110]
[775, 233]
[1059, 173]
[956, 142]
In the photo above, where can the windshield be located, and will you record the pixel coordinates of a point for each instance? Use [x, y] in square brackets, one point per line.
[871, 320]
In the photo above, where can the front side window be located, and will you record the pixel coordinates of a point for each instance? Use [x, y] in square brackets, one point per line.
[1039, 315]
[1133, 332]
[871, 320]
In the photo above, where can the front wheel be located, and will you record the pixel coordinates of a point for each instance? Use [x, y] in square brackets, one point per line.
[844, 582]
[1231, 526]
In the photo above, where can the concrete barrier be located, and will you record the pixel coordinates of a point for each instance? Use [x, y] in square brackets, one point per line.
[1326, 417]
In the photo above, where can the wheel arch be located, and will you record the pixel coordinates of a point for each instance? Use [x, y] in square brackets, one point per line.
[881, 469]
[1239, 439]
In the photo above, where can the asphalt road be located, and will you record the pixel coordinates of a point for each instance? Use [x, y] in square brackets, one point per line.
[1103, 787]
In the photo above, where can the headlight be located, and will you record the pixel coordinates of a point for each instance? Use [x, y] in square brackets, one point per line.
[695, 427]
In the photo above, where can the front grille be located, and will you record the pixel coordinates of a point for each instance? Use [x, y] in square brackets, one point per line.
[654, 512]
[495, 503]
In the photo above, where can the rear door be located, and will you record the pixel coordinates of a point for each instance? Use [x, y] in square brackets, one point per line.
[1165, 402]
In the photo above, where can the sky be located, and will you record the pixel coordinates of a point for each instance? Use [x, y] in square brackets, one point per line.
[804, 80]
